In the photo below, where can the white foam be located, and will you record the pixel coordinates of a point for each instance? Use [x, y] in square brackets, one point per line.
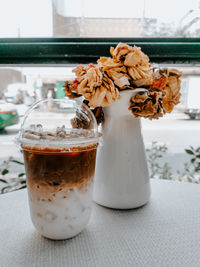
[36, 135]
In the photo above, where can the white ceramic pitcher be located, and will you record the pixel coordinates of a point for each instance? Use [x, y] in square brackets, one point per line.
[121, 178]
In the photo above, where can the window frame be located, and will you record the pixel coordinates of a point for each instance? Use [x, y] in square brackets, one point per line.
[86, 50]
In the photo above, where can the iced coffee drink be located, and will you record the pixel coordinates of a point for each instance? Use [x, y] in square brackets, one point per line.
[60, 166]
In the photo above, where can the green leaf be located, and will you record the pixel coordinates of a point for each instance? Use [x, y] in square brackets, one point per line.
[188, 151]
[198, 156]
[4, 172]
[16, 161]
[22, 187]
[3, 190]
[21, 174]
[193, 160]
[3, 181]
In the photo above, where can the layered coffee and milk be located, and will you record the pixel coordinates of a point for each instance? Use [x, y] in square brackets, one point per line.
[59, 180]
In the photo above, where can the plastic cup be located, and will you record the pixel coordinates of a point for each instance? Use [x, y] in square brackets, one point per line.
[59, 139]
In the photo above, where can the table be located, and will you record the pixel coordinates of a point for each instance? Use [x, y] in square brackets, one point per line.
[165, 232]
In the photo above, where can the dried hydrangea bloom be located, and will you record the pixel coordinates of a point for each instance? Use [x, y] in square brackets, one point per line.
[147, 105]
[97, 88]
[136, 57]
[120, 51]
[136, 62]
[80, 70]
[70, 88]
[160, 77]
[119, 76]
[91, 79]
[147, 81]
[116, 71]
[141, 75]
[168, 81]
[128, 63]
[129, 55]
[106, 63]
[94, 77]
[172, 93]
[159, 83]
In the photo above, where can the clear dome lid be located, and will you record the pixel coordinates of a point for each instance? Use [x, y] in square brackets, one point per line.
[58, 123]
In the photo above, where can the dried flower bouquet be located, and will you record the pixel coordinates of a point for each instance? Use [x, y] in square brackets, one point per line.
[128, 68]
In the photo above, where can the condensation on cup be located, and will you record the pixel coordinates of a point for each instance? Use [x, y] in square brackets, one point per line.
[59, 139]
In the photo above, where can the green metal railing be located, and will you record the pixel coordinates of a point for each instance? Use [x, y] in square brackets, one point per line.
[85, 50]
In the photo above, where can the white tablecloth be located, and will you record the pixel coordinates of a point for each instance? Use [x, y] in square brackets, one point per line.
[166, 232]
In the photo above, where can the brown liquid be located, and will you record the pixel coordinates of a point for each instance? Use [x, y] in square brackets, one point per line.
[58, 169]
